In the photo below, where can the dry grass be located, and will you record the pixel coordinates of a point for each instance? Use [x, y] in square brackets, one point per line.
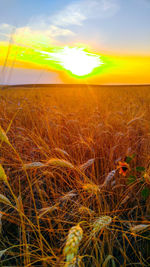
[59, 151]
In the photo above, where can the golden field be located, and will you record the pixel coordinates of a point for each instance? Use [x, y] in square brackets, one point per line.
[75, 175]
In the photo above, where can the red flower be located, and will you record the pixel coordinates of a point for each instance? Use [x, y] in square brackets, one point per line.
[123, 168]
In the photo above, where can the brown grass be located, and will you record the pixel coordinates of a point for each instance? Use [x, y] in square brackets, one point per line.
[59, 149]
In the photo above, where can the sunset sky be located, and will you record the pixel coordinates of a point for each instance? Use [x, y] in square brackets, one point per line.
[81, 41]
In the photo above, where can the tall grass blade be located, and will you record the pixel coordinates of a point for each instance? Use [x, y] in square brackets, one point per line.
[108, 259]
[3, 136]
[43, 211]
[1, 222]
[3, 176]
[2, 252]
[5, 200]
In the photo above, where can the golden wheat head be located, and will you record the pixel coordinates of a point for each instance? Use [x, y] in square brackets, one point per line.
[72, 243]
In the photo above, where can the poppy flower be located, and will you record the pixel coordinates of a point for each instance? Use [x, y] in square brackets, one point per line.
[123, 168]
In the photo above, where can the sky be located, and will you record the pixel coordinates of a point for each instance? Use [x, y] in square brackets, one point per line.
[80, 41]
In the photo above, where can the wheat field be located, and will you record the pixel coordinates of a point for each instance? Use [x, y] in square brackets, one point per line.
[75, 175]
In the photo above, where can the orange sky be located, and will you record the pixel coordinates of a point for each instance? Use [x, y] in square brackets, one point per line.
[116, 69]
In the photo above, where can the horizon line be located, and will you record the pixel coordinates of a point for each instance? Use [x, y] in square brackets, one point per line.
[70, 84]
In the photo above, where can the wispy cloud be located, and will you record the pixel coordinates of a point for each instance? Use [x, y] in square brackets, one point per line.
[54, 30]
[6, 31]
[77, 12]
[37, 36]
[5, 28]
[33, 36]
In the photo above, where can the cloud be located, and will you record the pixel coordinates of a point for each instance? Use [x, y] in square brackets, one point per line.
[5, 28]
[71, 15]
[42, 34]
[77, 12]
[6, 31]
[29, 35]
[57, 29]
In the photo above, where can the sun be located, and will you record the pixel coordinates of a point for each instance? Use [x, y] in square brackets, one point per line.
[76, 60]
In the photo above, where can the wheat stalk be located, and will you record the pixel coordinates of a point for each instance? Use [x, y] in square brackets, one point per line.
[3, 176]
[101, 223]
[60, 163]
[139, 228]
[3, 136]
[72, 243]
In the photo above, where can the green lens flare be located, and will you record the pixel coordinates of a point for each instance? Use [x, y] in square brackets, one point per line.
[76, 60]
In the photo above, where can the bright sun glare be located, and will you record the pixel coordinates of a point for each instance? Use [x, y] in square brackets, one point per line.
[76, 60]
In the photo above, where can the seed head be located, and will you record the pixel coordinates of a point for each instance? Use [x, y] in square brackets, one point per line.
[72, 243]
[101, 223]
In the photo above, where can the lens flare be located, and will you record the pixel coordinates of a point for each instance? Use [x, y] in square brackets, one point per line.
[76, 60]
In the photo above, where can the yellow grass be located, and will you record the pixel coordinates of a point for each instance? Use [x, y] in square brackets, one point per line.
[59, 171]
